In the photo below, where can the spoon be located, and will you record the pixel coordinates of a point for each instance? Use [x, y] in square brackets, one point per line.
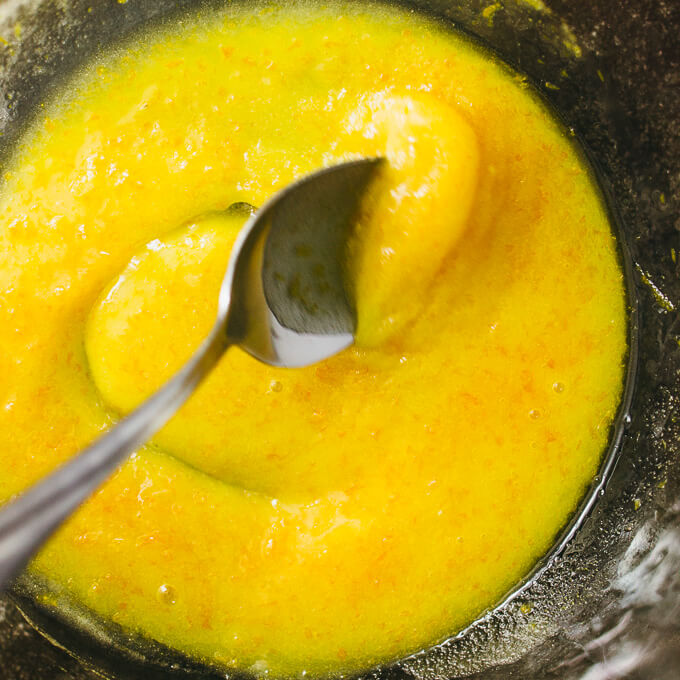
[284, 300]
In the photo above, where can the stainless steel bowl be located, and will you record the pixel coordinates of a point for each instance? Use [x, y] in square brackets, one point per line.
[606, 602]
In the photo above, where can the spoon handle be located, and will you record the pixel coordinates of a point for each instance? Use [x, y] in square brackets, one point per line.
[27, 522]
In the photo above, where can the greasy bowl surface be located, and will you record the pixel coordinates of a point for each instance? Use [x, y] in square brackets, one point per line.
[612, 585]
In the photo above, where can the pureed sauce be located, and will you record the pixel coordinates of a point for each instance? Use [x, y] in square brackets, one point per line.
[329, 518]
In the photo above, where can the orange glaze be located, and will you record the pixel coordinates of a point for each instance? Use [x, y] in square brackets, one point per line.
[334, 517]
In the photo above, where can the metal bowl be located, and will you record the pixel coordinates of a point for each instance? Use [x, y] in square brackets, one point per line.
[606, 602]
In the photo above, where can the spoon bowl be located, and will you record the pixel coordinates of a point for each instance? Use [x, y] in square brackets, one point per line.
[285, 298]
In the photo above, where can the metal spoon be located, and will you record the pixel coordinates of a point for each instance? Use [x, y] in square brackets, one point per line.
[284, 300]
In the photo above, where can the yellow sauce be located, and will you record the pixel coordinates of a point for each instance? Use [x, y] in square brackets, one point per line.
[329, 518]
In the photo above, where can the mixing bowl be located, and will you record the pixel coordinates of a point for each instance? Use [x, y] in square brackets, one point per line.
[606, 602]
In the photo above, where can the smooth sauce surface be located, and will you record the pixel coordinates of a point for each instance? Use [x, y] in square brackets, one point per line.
[329, 518]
